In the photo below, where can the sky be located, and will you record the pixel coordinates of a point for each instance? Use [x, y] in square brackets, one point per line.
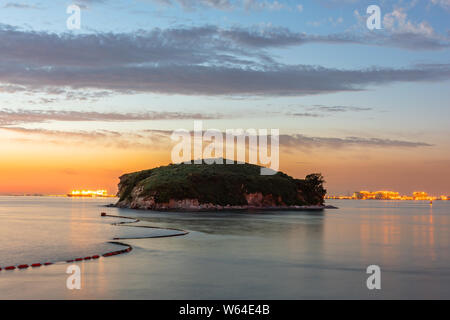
[369, 109]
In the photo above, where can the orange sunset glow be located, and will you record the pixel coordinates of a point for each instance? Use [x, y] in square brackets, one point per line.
[57, 164]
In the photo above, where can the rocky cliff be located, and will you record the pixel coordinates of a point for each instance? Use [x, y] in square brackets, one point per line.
[198, 187]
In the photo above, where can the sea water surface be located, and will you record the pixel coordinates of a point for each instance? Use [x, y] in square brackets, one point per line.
[227, 255]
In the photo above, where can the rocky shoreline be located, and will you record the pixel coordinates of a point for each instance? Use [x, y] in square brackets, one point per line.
[232, 208]
[193, 205]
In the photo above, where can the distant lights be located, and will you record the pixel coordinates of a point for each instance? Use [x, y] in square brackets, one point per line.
[390, 195]
[90, 193]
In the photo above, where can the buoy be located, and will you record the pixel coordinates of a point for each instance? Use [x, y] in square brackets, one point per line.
[108, 254]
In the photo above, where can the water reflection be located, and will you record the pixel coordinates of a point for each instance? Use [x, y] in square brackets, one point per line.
[270, 255]
[237, 223]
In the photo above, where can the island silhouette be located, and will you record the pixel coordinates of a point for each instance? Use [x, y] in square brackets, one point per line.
[204, 187]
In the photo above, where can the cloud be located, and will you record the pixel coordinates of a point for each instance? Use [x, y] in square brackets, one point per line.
[181, 46]
[397, 21]
[227, 5]
[216, 80]
[333, 3]
[12, 5]
[161, 139]
[206, 45]
[12, 117]
[412, 35]
[299, 140]
[191, 61]
[84, 3]
[61, 134]
[400, 32]
[322, 108]
[443, 3]
[55, 94]
[264, 5]
[276, 37]
[303, 115]
[196, 4]
[319, 111]
[97, 138]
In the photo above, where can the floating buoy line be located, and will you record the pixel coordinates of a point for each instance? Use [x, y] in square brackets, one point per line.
[107, 254]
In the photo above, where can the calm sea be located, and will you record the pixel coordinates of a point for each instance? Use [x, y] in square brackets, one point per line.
[269, 255]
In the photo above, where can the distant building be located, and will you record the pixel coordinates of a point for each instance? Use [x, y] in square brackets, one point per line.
[88, 193]
[420, 195]
[377, 195]
[390, 195]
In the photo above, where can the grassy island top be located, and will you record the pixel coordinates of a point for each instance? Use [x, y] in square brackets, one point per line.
[221, 184]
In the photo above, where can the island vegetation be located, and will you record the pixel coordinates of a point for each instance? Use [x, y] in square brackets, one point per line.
[217, 186]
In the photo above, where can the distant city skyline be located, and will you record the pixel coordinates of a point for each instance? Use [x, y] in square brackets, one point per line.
[368, 109]
[390, 195]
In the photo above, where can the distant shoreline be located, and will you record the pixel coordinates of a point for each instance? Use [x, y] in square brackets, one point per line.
[415, 200]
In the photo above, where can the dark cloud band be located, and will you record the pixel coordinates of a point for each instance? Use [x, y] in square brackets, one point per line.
[189, 61]
[150, 138]
[14, 117]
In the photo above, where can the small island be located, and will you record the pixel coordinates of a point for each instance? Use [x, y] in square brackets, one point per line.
[206, 187]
